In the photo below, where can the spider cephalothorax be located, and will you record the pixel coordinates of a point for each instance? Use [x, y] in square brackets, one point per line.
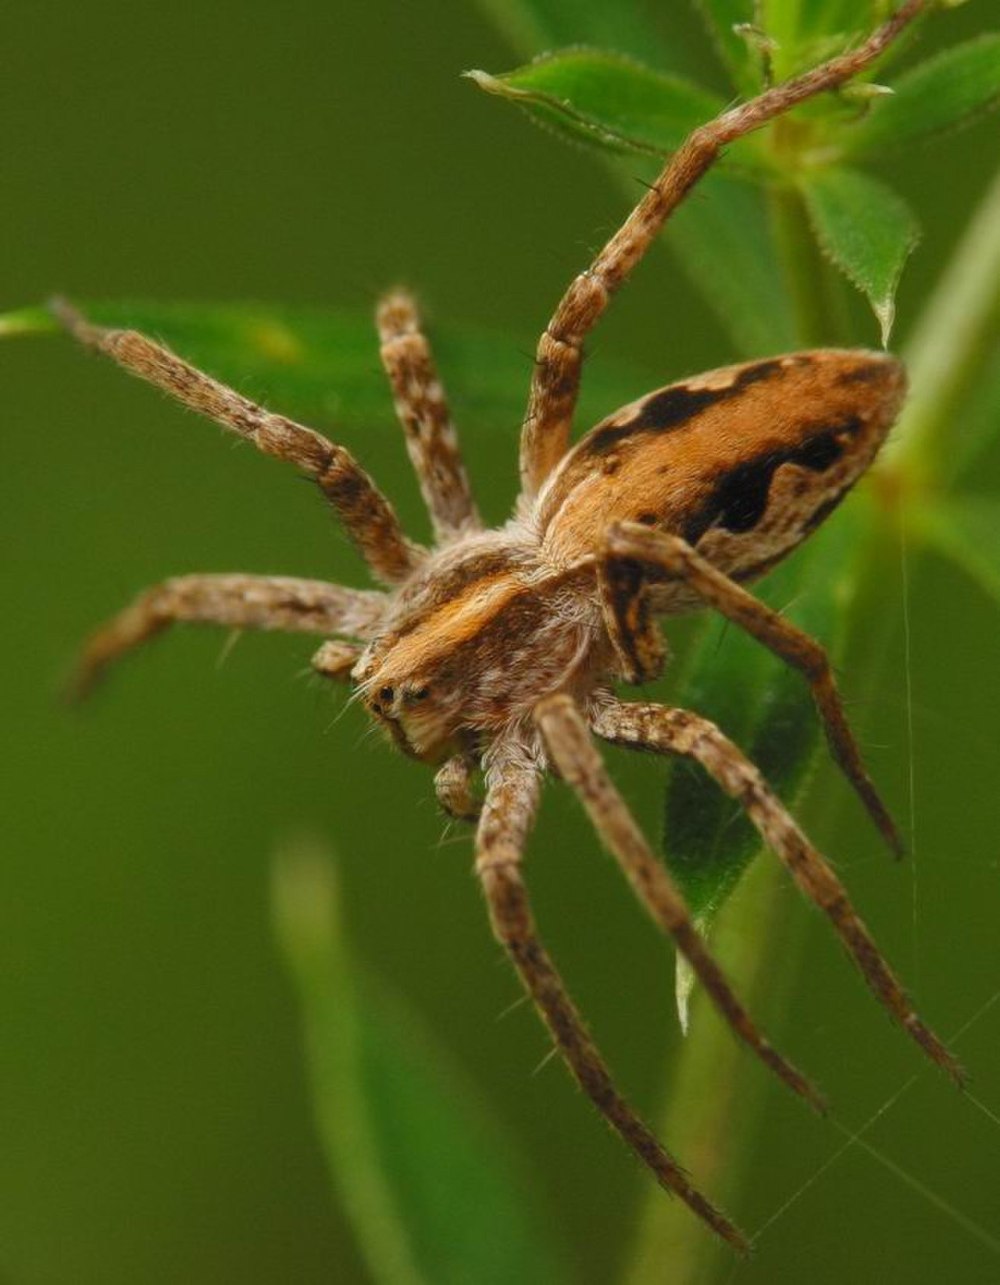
[483, 628]
[499, 650]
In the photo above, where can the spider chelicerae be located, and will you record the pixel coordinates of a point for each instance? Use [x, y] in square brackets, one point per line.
[497, 651]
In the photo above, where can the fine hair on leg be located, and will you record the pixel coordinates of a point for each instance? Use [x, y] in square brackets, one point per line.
[574, 754]
[423, 412]
[664, 730]
[335, 660]
[513, 782]
[280, 603]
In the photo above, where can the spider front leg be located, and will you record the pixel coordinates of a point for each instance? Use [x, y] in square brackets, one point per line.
[239, 601]
[508, 814]
[556, 380]
[367, 515]
[632, 548]
[423, 411]
[574, 754]
[677, 731]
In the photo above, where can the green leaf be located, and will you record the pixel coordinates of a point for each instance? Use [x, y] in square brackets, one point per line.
[323, 366]
[722, 237]
[951, 89]
[762, 705]
[722, 18]
[425, 1178]
[866, 230]
[605, 99]
[966, 530]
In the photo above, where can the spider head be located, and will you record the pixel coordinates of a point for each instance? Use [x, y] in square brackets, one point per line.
[405, 705]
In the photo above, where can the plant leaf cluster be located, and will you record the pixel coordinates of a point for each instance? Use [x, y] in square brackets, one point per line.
[817, 154]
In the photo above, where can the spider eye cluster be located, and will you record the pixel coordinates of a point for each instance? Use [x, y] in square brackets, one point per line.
[389, 700]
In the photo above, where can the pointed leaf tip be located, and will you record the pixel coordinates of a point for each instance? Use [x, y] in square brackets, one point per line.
[605, 99]
[866, 230]
[484, 81]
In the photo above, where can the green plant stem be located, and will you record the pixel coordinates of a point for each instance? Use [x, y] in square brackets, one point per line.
[950, 341]
[714, 1098]
[796, 248]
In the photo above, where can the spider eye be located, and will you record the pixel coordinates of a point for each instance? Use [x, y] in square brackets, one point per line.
[386, 695]
[419, 694]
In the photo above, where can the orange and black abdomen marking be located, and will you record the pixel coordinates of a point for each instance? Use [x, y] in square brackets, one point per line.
[747, 457]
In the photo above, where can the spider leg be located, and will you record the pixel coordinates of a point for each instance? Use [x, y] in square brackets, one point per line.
[507, 816]
[579, 763]
[559, 357]
[677, 731]
[453, 787]
[335, 660]
[367, 515]
[423, 411]
[630, 543]
[242, 602]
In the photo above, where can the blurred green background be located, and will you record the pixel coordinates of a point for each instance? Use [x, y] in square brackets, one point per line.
[154, 1122]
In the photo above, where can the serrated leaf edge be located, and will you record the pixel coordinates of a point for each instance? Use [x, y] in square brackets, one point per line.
[883, 307]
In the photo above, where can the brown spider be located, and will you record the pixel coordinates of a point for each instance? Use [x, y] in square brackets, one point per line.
[498, 649]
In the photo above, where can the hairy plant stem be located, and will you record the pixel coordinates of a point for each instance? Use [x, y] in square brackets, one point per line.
[712, 1103]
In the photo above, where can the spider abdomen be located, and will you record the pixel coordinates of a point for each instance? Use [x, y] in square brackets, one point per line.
[742, 462]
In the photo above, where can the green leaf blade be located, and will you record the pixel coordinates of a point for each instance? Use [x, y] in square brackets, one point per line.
[425, 1177]
[304, 903]
[866, 230]
[321, 364]
[605, 99]
[952, 89]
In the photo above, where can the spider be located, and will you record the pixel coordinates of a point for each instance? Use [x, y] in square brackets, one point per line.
[498, 650]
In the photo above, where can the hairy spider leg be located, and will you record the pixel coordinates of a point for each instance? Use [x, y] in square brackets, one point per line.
[555, 380]
[630, 544]
[508, 813]
[677, 731]
[579, 763]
